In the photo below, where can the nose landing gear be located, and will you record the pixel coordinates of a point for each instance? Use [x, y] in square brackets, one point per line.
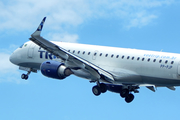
[25, 76]
[29, 70]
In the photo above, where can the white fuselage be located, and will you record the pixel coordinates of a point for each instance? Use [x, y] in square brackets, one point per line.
[128, 65]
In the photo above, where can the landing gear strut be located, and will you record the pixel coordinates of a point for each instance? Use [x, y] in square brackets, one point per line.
[25, 76]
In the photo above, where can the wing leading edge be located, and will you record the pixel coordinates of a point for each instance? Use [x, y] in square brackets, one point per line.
[96, 72]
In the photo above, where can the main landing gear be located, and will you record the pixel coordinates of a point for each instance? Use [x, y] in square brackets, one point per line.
[98, 89]
[125, 91]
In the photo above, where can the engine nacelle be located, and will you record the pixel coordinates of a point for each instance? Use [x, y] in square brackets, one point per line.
[55, 69]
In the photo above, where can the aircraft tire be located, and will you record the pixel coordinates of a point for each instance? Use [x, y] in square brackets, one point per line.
[129, 98]
[124, 93]
[96, 90]
[24, 76]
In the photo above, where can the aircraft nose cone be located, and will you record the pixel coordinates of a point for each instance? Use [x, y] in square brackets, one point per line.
[12, 58]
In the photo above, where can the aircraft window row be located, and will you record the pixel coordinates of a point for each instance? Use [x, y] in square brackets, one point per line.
[117, 56]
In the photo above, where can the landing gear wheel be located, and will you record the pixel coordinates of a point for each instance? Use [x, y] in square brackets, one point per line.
[129, 98]
[96, 90]
[124, 93]
[24, 76]
[103, 88]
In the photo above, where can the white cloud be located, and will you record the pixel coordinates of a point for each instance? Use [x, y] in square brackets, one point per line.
[8, 71]
[141, 19]
[21, 14]
[65, 37]
[133, 13]
[5, 64]
[24, 15]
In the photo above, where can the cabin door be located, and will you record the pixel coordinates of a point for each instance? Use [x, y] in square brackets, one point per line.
[31, 51]
[178, 69]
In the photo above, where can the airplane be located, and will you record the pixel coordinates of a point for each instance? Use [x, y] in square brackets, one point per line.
[118, 70]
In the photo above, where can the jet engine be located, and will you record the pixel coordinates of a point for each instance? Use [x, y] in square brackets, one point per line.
[55, 69]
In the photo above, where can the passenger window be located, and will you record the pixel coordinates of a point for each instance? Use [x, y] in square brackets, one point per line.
[123, 57]
[112, 56]
[78, 52]
[138, 58]
[143, 59]
[73, 51]
[106, 55]
[100, 54]
[84, 52]
[68, 50]
[166, 61]
[117, 56]
[95, 54]
[148, 59]
[132, 58]
[172, 62]
[89, 53]
[154, 60]
[128, 57]
[160, 61]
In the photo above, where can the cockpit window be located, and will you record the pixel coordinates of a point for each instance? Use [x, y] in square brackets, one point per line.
[21, 46]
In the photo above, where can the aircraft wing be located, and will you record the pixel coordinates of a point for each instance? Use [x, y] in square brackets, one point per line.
[96, 72]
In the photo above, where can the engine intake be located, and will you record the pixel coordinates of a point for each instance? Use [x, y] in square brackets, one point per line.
[55, 69]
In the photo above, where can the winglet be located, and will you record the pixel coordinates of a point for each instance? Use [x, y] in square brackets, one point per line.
[40, 27]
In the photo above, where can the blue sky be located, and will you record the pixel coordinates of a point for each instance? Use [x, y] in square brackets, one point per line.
[141, 24]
